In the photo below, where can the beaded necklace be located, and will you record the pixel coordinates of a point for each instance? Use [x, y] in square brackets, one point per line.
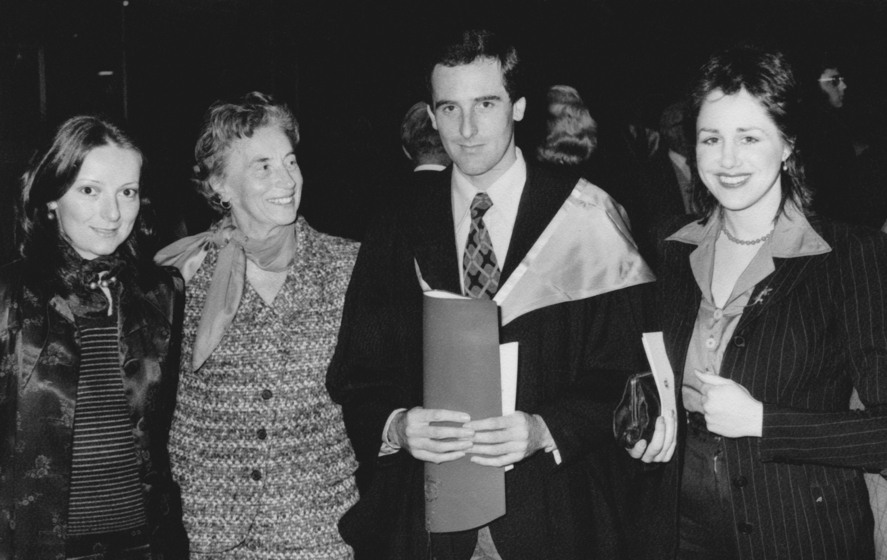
[742, 241]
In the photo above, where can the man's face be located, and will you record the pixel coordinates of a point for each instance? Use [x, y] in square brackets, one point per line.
[475, 118]
[832, 84]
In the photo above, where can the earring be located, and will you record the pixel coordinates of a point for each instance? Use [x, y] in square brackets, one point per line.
[785, 165]
[50, 210]
[224, 204]
[50, 214]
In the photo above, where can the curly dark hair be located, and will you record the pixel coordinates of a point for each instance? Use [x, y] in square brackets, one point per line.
[766, 74]
[52, 172]
[225, 122]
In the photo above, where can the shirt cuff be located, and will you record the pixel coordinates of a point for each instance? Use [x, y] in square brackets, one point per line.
[388, 446]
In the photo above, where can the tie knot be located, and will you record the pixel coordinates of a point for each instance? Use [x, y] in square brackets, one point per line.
[480, 205]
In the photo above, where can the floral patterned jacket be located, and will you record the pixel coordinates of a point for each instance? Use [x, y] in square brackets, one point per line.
[39, 352]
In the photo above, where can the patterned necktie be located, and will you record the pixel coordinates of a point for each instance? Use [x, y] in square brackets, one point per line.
[479, 266]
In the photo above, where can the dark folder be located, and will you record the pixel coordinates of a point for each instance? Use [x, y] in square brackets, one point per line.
[462, 373]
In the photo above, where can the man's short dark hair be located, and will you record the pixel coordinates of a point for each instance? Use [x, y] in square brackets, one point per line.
[471, 45]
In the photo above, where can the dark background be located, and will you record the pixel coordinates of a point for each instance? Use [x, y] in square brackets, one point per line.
[350, 70]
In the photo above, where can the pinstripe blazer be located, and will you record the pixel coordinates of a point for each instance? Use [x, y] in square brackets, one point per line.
[818, 329]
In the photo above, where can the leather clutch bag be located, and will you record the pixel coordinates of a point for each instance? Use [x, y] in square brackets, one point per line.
[635, 417]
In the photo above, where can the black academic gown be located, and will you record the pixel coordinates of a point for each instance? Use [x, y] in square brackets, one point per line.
[574, 358]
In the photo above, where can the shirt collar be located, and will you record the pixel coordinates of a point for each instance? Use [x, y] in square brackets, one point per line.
[793, 236]
[679, 162]
[505, 192]
[430, 167]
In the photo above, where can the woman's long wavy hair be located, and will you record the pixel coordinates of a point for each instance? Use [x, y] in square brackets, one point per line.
[47, 254]
[767, 75]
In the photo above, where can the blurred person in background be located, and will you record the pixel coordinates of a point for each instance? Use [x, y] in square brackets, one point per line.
[826, 143]
[420, 142]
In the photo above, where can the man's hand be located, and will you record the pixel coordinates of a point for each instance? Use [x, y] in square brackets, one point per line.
[729, 408]
[412, 430]
[505, 440]
[662, 444]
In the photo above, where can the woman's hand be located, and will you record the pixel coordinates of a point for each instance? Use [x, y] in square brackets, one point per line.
[729, 408]
[662, 444]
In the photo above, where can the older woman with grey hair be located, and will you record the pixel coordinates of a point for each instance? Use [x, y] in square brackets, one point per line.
[257, 446]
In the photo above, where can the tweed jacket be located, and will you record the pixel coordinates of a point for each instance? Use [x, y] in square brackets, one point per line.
[574, 358]
[39, 352]
[814, 329]
[258, 448]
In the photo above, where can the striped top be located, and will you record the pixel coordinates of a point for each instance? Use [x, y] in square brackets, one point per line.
[105, 495]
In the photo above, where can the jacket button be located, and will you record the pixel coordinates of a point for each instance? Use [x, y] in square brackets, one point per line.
[261, 433]
[256, 475]
[745, 528]
[267, 394]
[164, 332]
[739, 341]
[740, 482]
[131, 367]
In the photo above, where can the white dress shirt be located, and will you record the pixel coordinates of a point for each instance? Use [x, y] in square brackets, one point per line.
[683, 175]
[499, 219]
[430, 167]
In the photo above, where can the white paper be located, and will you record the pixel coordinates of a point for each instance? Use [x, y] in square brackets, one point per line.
[443, 294]
[508, 365]
[654, 346]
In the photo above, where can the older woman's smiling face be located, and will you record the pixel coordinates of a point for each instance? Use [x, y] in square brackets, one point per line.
[262, 181]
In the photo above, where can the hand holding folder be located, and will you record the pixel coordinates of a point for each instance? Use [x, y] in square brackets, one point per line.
[434, 435]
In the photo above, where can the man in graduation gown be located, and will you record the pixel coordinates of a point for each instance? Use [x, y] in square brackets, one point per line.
[577, 313]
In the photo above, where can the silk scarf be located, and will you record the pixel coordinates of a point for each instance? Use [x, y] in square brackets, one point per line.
[273, 254]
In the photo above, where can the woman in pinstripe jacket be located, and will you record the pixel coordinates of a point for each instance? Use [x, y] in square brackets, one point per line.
[771, 317]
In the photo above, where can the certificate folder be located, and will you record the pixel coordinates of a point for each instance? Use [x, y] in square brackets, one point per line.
[462, 373]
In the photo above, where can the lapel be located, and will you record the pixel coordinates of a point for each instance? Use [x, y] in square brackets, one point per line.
[684, 295]
[34, 331]
[135, 311]
[433, 235]
[683, 299]
[544, 194]
[787, 274]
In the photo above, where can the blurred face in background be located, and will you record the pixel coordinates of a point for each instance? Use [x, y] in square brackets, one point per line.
[832, 84]
[97, 213]
[740, 152]
[262, 181]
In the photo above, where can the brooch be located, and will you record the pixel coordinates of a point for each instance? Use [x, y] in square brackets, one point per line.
[762, 295]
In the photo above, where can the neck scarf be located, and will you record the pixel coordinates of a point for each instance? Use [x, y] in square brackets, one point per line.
[274, 254]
